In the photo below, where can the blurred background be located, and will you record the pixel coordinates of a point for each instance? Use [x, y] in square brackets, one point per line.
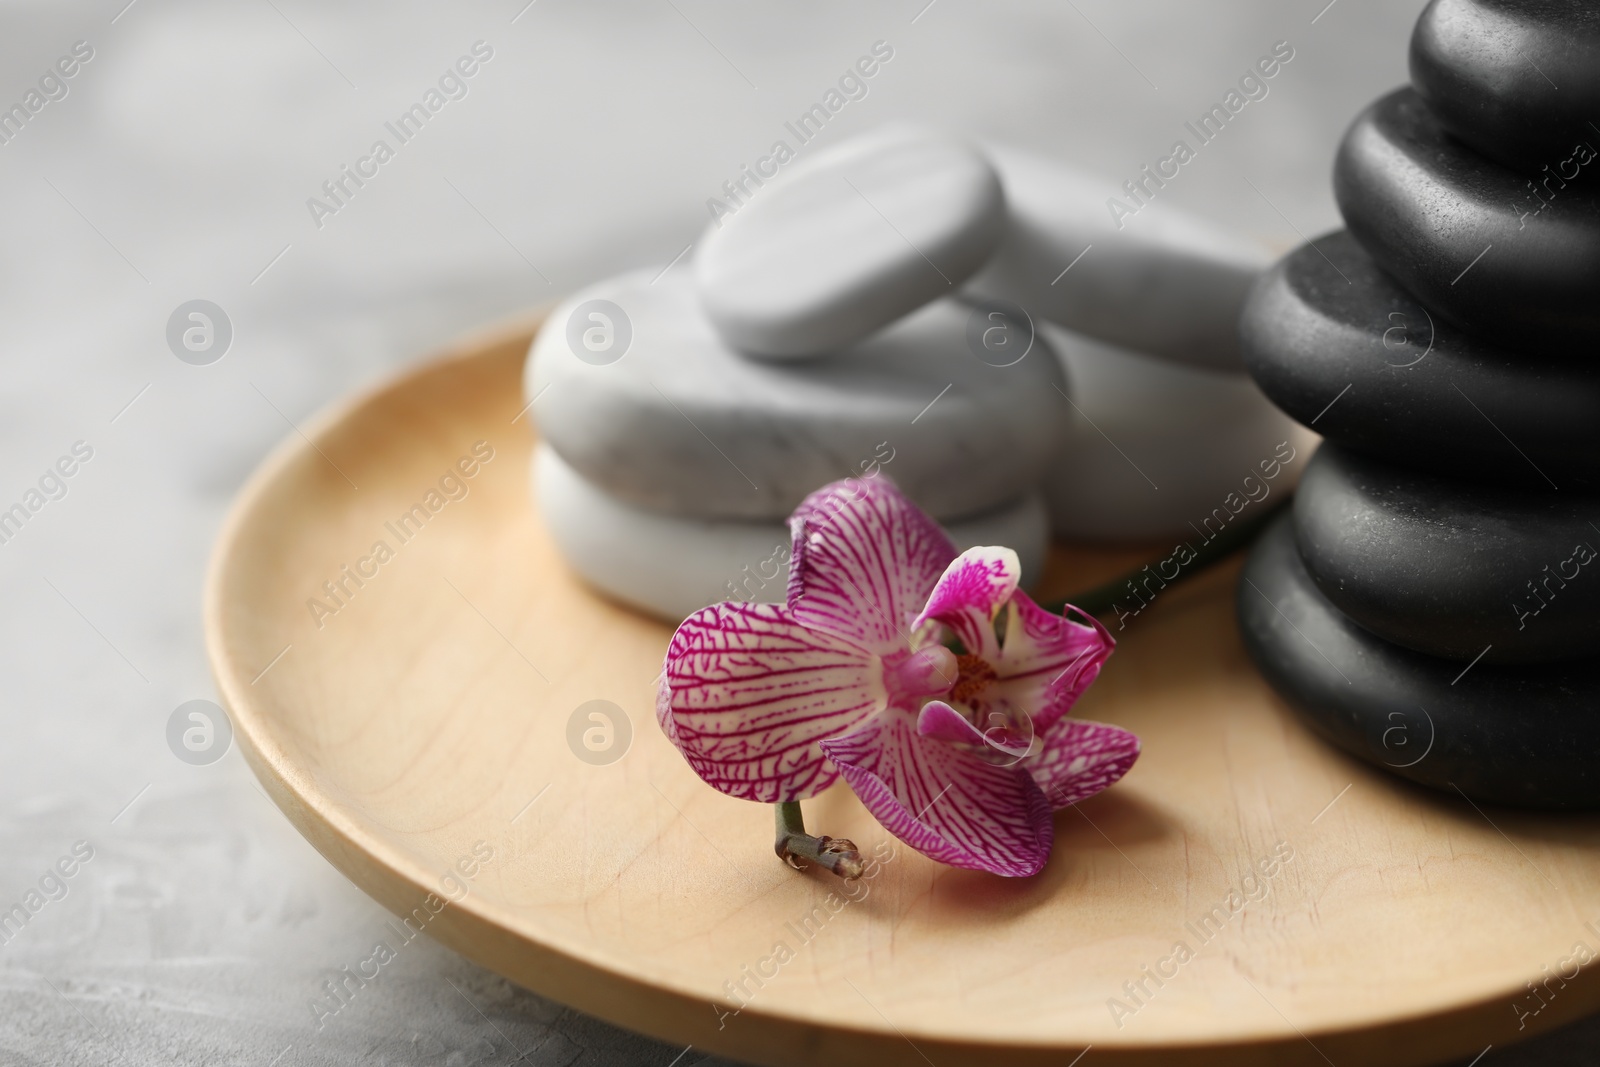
[178, 166]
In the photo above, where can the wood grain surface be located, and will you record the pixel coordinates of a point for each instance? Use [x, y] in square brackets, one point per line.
[415, 728]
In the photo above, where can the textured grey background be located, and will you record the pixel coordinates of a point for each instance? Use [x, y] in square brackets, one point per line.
[178, 167]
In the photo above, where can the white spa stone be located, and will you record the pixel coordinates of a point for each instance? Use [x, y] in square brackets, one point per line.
[670, 566]
[1155, 447]
[851, 239]
[1166, 282]
[683, 424]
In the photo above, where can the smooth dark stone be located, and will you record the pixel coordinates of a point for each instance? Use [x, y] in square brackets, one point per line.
[1452, 567]
[1471, 239]
[1502, 735]
[1518, 80]
[1336, 343]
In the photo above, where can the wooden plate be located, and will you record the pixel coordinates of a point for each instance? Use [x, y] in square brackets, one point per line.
[415, 728]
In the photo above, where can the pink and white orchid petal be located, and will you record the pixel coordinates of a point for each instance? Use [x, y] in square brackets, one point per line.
[1046, 664]
[941, 722]
[999, 743]
[751, 693]
[664, 709]
[864, 558]
[970, 593]
[1009, 732]
[1080, 758]
[942, 798]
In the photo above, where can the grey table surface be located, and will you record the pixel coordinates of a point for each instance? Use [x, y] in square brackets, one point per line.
[178, 165]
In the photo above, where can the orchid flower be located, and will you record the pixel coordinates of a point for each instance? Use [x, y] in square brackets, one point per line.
[961, 752]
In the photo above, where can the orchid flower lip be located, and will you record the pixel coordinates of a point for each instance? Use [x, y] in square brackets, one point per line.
[911, 676]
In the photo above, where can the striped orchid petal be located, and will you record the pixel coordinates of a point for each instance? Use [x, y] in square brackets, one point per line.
[923, 777]
[863, 561]
[751, 693]
[970, 593]
[664, 711]
[1078, 759]
[1046, 663]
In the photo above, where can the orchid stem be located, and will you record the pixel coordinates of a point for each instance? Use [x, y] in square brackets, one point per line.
[1103, 598]
[794, 844]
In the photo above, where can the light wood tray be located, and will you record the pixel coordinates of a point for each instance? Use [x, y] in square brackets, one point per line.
[428, 713]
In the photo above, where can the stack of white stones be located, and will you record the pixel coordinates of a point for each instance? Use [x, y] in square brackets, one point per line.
[859, 318]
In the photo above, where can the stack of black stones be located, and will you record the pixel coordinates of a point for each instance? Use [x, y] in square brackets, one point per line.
[1432, 605]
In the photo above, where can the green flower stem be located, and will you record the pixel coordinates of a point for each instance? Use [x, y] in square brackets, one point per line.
[1102, 598]
[794, 845]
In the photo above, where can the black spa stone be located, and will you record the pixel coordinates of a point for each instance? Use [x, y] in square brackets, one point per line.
[1337, 344]
[1518, 80]
[1523, 736]
[1450, 567]
[1514, 255]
